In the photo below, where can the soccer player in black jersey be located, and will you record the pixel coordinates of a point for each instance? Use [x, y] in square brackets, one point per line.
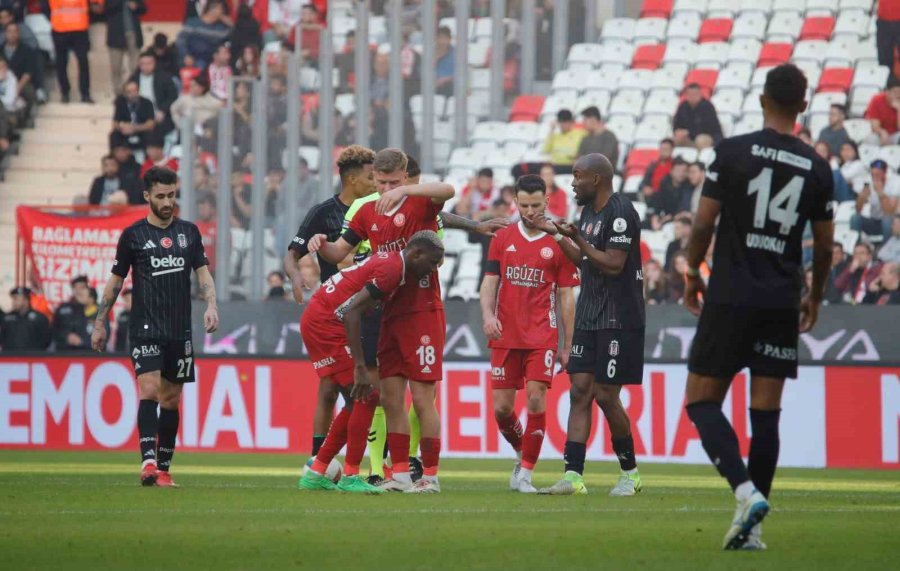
[357, 180]
[608, 344]
[763, 187]
[162, 250]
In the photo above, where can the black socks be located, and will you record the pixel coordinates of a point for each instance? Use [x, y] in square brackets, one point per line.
[719, 441]
[168, 430]
[574, 456]
[148, 426]
[763, 448]
[624, 449]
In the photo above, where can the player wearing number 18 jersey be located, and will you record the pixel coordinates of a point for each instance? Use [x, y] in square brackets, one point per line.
[764, 188]
[526, 298]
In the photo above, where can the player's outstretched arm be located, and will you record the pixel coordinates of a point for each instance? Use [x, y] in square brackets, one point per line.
[110, 295]
[292, 269]
[362, 301]
[610, 262]
[438, 192]
[207, 290]
[701, 236]
[490, 324]
[567, 316]
[485, 227]
[332, 252]
[569, 249]
[823, 233]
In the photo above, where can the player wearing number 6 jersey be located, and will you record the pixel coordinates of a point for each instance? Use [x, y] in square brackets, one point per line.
[764, 188]
[526, 298]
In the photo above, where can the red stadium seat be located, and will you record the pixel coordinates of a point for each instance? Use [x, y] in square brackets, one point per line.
[818, 28]
[657, 9]
[705, 77]
[526, 108]
[638, 161]
[715, 30]
[773, 54]
[836, 79]
[648, 56]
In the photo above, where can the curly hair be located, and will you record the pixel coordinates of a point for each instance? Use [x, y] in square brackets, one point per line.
[353, 158]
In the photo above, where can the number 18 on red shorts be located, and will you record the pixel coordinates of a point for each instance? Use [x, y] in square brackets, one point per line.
[510, 368]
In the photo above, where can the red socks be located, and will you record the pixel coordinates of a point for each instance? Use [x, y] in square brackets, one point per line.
[358, 434]
[337, 437]
[431, 453]
[534, 438]
[398, 447]
[511, 429]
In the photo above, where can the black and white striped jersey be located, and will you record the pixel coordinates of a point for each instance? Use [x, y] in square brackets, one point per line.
[327, 218]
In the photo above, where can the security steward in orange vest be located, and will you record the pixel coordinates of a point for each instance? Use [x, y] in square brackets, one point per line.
[70, 20]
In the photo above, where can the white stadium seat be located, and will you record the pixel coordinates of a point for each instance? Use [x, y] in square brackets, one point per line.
[858, 129]
[641, 79]
[621, 29]
[759, 77]
[864, 5]
[697, 7]
[745, 50]
[749, 25]
[841, 52]
[721, 9]
[567, 80]
[683, 51]
[623, 126]
[784, 27]
[751, 102]
[661, 102]
[627, 102]
[860, 97]
[689, 154]
[585, 53]
[650, 30]
[598, 99]
[728, 102]
[651, 131]
[822, 102]
[616, 53]
[669, 77]
[712, 55]
[520, 131]
[810, 50]
[891, 155]
[875, 76]
[748, 124]
[821, 7]
[789, 6]
[758, 6]
[735, 75]
[685, 25]
[851, 22]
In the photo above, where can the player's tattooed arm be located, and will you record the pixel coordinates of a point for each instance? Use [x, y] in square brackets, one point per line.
[207, 291]
[110, 295]
[486, 227]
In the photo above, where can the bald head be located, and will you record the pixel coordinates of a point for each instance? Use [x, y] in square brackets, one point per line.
[593, 175]
[595, 164]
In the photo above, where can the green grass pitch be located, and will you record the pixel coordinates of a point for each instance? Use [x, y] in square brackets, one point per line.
[71, 510]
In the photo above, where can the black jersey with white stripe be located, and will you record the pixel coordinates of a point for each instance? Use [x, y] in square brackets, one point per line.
[770, 185]
[327, 218]
[161, 260]
[606, 301]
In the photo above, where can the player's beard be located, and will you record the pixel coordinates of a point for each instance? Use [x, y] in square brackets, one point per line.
[162, 214]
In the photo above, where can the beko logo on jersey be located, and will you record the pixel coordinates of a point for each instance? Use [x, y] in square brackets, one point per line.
[620, 239]
[170, 264]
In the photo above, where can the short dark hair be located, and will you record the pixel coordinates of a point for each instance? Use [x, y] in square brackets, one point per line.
[667, 140]
[108, 157]
[865, 245]
[79, 280]
[207, 198]
[678, 161]
[148, 53]
[156, 140]
[839, 107]
[564, 116]
[699, 165]
[159, 175]
[412, 167]
[591, 111]
[486, 172]
[531, 183]
[692, 85]
[160, 40]
[445, 31]
[786, 87]
[684, 220]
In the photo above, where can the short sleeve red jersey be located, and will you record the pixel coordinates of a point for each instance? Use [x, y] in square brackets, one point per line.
[390, 232]
[531, 270]
[382, 274]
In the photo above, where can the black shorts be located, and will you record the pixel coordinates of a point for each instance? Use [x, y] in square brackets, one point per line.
[173, 359]
[613, 356]
[729, 339]
[371, 328]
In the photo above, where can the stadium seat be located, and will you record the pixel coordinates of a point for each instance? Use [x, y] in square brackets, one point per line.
[617, 29]
[865, 52]
[616, 53]
[749, 25]
[745, 50]
[656, 8]
[661, 102]
[706, 156]
[604, 79]
[836, 79]
[712, 55]
[477, 53]
[520, 131]
[640, 79]
[623, 126]
[796, 6]
[863, 5]
[526, 108]
[598, 99]
[851, 22]
[844, 211]
[841, 52]
[669, 77]
[554, 103]
[812, 70]
[687, 153]
[685, 25]
[728, 102]
[650, 31]
[758, 6]
[748, 124]
[345, 103]
[690, 7]
[759, 77]
[858, 129]
[868, 153]
[632, 185]
[823, 7]
[736, 75]
[891, 155]
[810, 50]
[822, 102]
[567, 80]
[627, 102]
[638, 160]
[648, 56]
[490, 131]
[875, 76]
[784, 27]
[585, 53]
[680, 51]
[657, 242]
[815, 123]
[817, 28]
[859, 99]
[706, 78]
[773, 54]
[751, 103]
[715, 30]
[640, 207]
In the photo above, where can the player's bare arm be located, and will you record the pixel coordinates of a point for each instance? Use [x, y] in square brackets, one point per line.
[610, 262]
[438, 192]
[207, 290]
[492, 327]
[701, 236]
[566, 298]
[332, 252]
[823, 232]
[291, 265]
[485, 227]
[571, 251]
[110, 295]
[362, 384]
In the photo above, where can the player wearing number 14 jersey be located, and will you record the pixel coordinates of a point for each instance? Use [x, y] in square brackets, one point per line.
[526, 298]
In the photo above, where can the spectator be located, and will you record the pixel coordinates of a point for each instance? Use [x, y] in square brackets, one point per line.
[158, 87]
[23, 328]
[682, 227]
[156, 156]
[885, 289]
[890, 250]
[123, 320]
[25, 63]
[207, 224]
[658, 169]
[445, 61]
[198, 101]
[69, 21]
[310, 33]
[249, 62]
[676, 277]
[821, 148]
[853, 170]
[835, 135]
[308, 188]
[380, 84]
[188, 72]
[696, 121]
[562, 147]
[219, 72]
[166, 55]
[839, 263]
[557, 199]
[123, 36]
[805, 136]
[134, 116]
[674, 192]
[69, 317]
[842, 191]
[194, 8]
[345, 63]
[275, 281]
[202, 35]
[881, 192]
[696, 176]
[111, 181]
[128, 166]
[854, 281]
[656, 287]
[203, 182]
[9, 95]
[599, 139]
[246, 34]
[478, 197]
[410, 67]
[7, 17]
[282, 16]
[887, 34]
[882, 114]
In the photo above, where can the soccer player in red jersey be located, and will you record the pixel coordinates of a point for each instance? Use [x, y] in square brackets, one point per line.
[411, 343]
[343, 298]
[527, 277]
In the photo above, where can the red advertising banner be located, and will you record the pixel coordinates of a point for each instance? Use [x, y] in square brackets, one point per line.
[63, 246]
[832, 416]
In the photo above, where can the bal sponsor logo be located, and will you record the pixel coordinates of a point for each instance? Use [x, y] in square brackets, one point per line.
[546, 253]
[169, 261]
[166, 242]
[145, 351]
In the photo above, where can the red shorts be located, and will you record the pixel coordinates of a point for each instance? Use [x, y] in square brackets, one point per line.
[326, 344]
[412, 346]
[510, 368]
